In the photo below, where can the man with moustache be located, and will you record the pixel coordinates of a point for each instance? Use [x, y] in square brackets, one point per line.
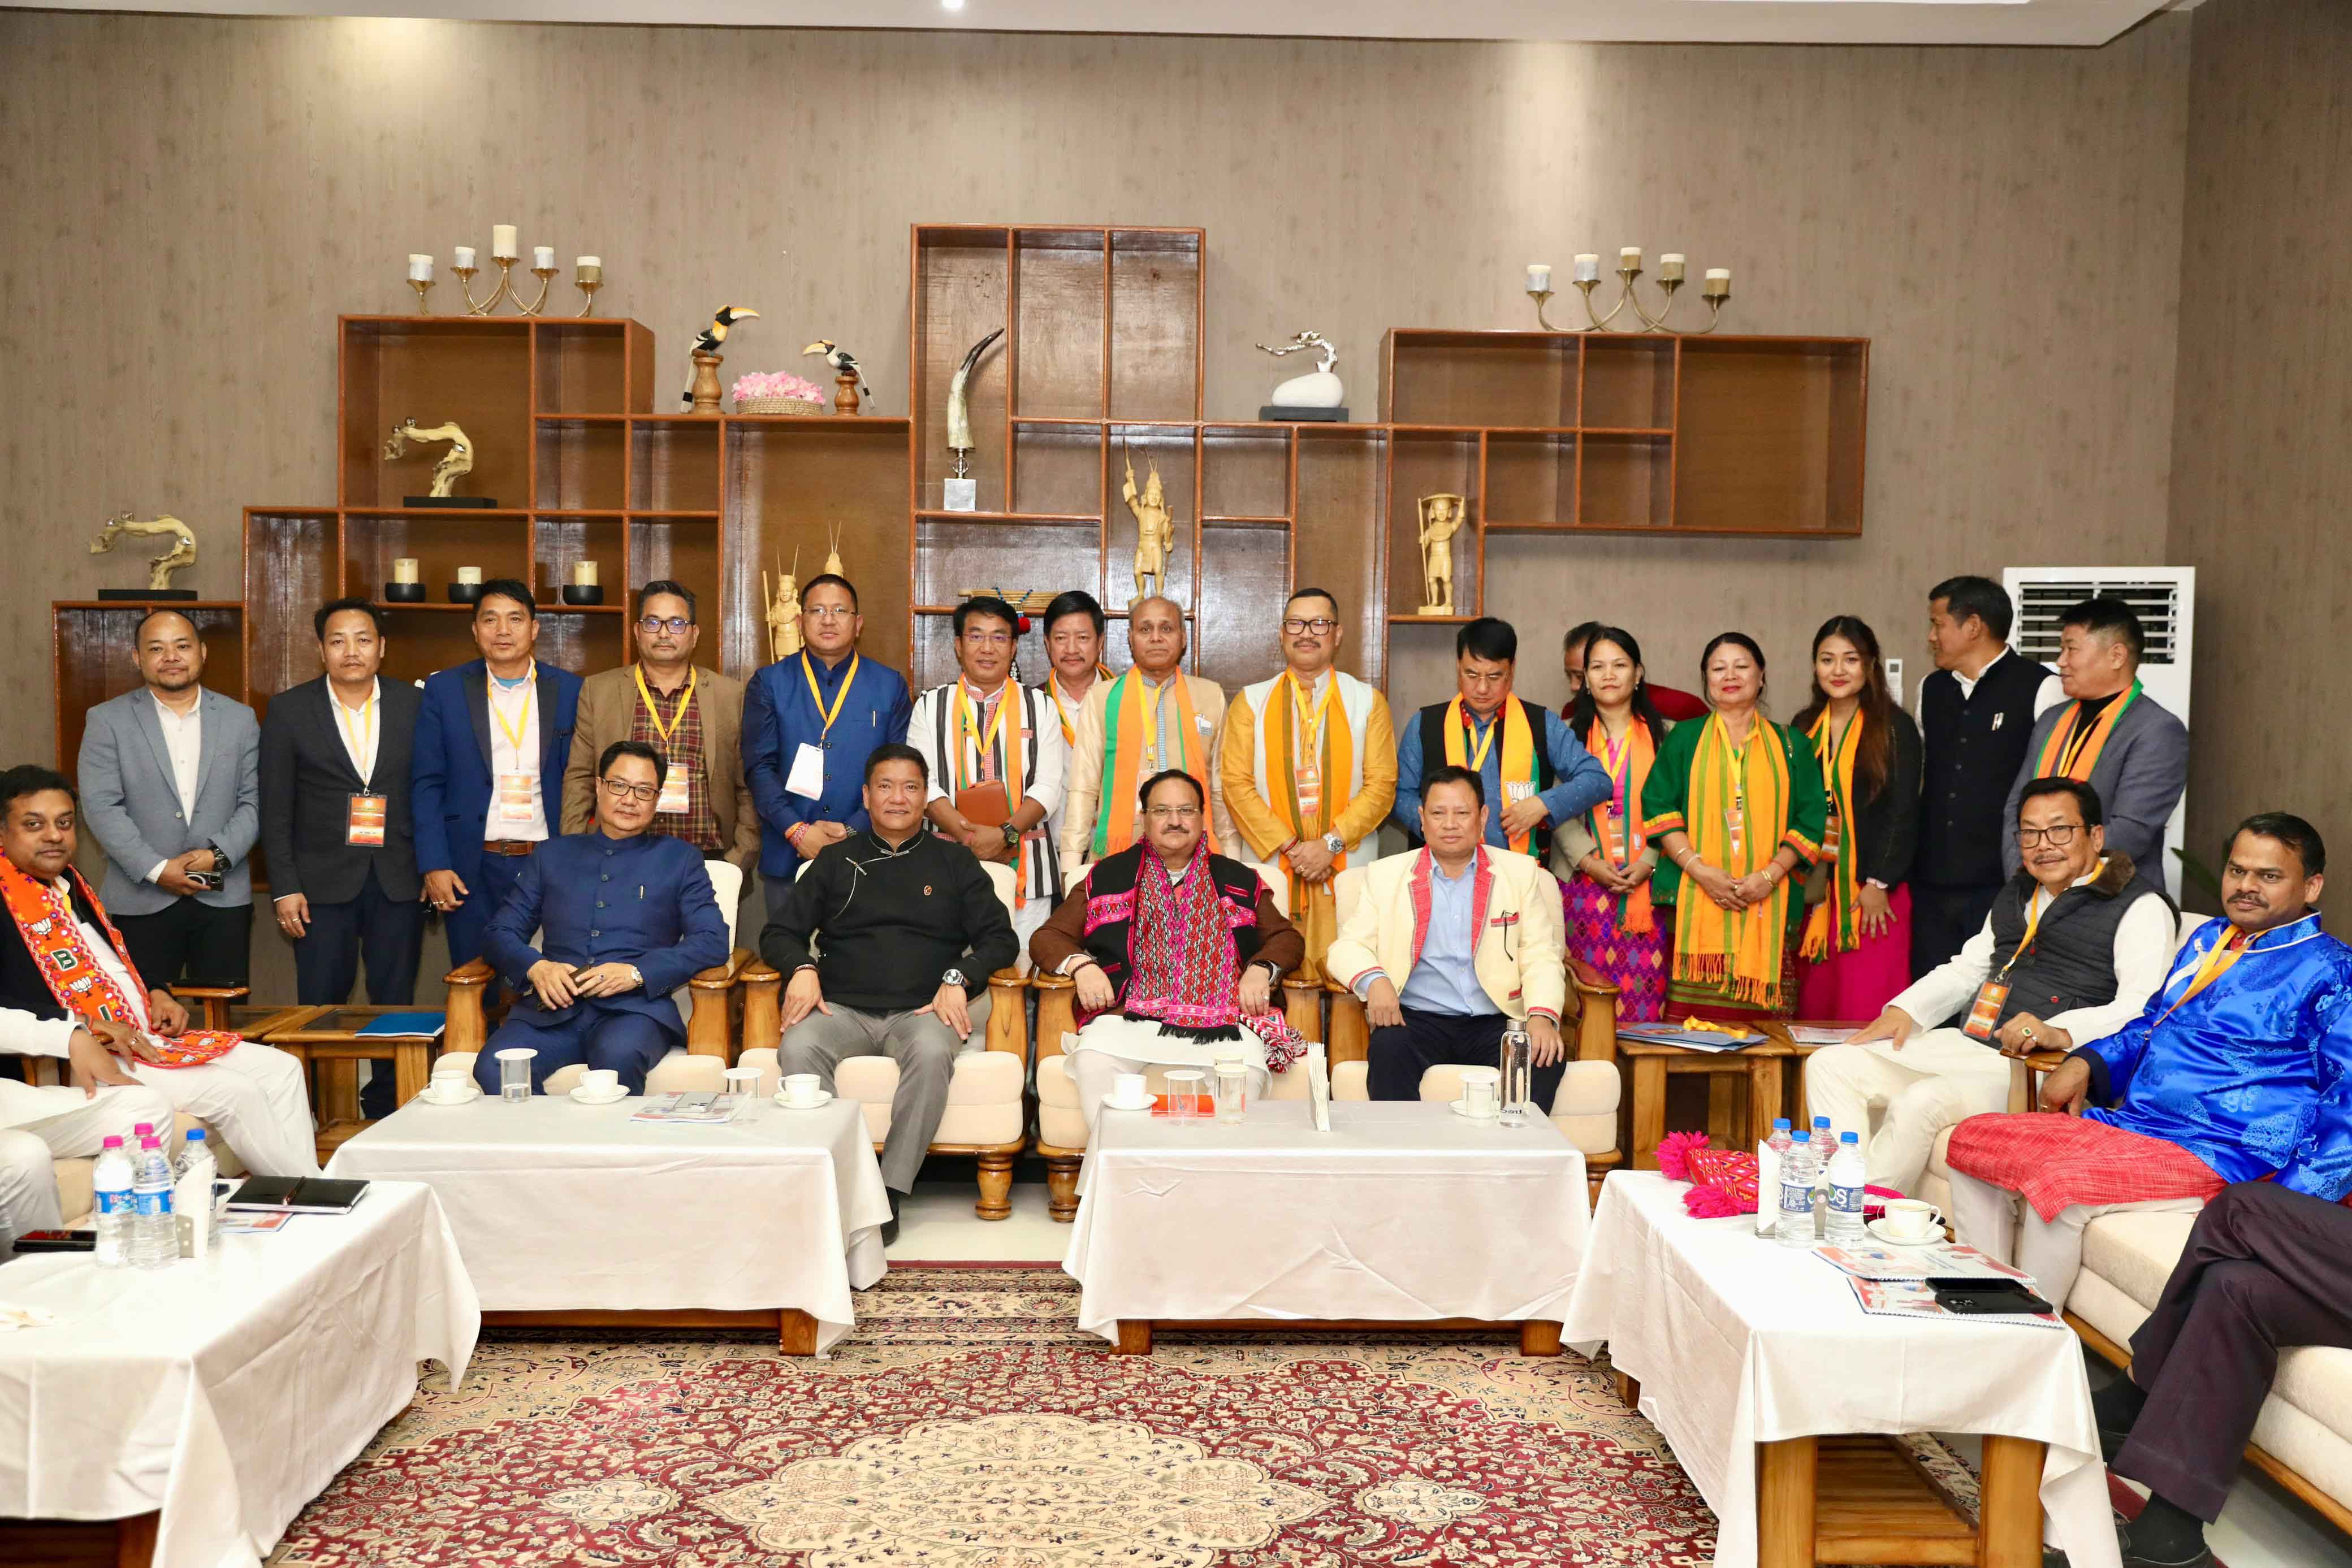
[1153, 718]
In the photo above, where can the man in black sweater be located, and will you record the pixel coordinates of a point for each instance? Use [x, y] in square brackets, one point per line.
[911, 928]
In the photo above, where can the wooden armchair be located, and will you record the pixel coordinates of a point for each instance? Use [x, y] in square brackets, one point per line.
[208, 1006]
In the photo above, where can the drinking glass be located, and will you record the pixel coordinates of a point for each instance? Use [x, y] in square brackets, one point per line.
[1185, 1092]
[744, 1082]
[1480, 1091]
[514, 1073]
[1233, 1091]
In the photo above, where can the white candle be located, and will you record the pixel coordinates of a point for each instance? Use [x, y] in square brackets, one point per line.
[543, 258]
[1538, 277]
[420, 268]
[1670, 266]
[405, 570]
[583, 574]
[589, 261]
[503, 242]
[1588, 267]
[1718, 283]
[1630, 256]
[463, 255]
[469, 574]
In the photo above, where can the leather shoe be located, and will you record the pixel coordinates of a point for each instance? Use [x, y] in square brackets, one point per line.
[890, 1226]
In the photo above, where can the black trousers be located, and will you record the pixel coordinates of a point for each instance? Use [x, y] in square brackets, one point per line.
[2266, 1269]
[388, 933]
[191, 944]
[1401, 1054]
[1942, 920]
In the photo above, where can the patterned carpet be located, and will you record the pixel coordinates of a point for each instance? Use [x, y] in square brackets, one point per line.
[968, 1424]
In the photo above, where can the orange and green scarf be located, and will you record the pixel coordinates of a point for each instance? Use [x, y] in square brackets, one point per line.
[2068, 754]
[1519, 765]
[1736, 951]
[1830, 928]
[1616, 821]
[45, 920]
[1127, 729]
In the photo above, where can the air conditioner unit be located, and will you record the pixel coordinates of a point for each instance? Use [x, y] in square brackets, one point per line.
[2164, 597]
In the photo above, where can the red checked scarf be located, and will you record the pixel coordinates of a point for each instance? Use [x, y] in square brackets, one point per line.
[1186, 967]
[45, 920]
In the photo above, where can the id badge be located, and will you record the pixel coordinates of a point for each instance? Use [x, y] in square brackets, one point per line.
[1308, 782]
[1984, 1013]
[1734, 825]
[806, 778]
[518, 797]
[674, 800]
[364, 818]
[1830, 837]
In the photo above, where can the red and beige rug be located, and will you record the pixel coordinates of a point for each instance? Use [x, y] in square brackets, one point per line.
[967, 1424]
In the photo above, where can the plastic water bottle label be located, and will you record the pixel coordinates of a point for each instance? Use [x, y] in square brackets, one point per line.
[155, 1201]
[1796, 1198]
[115, 1203]
[1845, 1199]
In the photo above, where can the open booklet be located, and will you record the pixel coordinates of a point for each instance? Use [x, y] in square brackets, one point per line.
[1892, 1282]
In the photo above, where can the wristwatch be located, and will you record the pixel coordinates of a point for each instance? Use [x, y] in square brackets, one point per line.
[1012, 837]
[1273, 970]
[955, 978]
[1334, 843]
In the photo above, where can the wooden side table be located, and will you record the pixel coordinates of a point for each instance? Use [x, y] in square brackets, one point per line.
[1758, 1068]
[329, 1040]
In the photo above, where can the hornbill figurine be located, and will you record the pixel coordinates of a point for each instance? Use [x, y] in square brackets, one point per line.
[843, 361]
[712, 336]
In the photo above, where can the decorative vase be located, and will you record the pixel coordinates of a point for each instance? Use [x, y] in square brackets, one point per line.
[845, 393]
[706, 392]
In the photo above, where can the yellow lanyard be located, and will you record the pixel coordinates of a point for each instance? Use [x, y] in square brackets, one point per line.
[1312, 723]
[1061, 711]
[808, 668]
[1152, 697]
[966, 726]
[2217, 959]
[1482, 748]
[514, 732]
[653, 708]
[361, 761]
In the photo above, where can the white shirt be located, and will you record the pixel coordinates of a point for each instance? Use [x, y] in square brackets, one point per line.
[183, 742]
[25, 1035]
[361, 728]
[2144, 942]
[510, 703]
[2052, 691]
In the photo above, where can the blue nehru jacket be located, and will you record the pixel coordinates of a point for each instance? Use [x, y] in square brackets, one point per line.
[645, 900]
[1579, 781]
[781, 715]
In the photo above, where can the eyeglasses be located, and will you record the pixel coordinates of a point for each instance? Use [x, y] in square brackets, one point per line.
[1172, 813]
[675, 625]
[622, 790]
[828, 611]
[2058, 837]
[1319, 626]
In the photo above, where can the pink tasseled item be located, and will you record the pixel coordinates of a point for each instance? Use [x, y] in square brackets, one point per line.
[1723, 1180]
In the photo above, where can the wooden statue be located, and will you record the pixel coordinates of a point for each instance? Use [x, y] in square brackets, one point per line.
[1155, 529]
[457, 462]
[832, 551]
[1441, 520]
[784, 610]
[160, 569]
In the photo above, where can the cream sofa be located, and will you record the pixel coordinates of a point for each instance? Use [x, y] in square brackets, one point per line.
[2303, 1437]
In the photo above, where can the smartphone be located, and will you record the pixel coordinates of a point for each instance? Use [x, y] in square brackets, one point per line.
[1988, 1297]
[208, 880]
[57, 1241]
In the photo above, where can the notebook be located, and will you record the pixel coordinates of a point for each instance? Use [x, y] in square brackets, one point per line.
[299, 1195]
[405, 1025]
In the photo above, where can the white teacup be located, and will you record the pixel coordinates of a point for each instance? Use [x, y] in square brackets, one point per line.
[803, 1089]
[1482, 1090]
[1912, 1220]
[598, 1082]
[449, 1088]
[1126, 1089]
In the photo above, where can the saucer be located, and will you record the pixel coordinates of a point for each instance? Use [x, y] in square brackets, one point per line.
[1111, 1102]
[823, 1097]
[1876, 1227]
[473, 1092]
[1472, 1116]
[582, 1096]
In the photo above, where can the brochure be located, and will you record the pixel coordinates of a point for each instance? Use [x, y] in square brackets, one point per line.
[1917, 1299]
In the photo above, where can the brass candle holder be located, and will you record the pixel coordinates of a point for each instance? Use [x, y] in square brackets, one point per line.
[423, 285]
[504, 291]
[1715, 289]
[588, 279]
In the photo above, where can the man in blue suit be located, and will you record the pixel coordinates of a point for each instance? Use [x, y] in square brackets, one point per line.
[809, 723]
[485, 775]
[630, 919]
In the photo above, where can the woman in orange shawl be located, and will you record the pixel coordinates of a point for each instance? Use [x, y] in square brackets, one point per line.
[1604, 858]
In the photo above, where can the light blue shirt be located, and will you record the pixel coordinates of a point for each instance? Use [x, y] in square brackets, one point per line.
[1579, 781]
[1446, 980]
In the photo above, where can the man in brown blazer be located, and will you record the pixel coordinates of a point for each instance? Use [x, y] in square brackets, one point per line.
[691, 713]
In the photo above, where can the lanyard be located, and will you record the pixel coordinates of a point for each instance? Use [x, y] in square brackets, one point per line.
[1153, 696]
[1481, 749]
[654, 709]
[808, 668]
[1061, 711]
[1312, 723]
[968, 727]
[2216, 959]
[514, 732]
[362, 740]
[2041, 901]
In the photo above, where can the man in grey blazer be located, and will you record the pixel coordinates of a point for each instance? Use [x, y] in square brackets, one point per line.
[2113, 736]
[170, 787]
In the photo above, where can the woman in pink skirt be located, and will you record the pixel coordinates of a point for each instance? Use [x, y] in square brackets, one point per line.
[1601, 858]
[1856, 950]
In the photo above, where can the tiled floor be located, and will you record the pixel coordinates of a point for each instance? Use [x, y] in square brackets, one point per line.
[2261, 1528]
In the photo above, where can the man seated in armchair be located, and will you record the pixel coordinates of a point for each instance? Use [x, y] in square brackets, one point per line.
[2235, 1070]
[626, 918]
[1174, 952]
[1450, 943]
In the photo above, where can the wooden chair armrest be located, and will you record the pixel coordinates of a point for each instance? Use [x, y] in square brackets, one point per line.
[221, 993]
[2025, 1074]
[1596, 1012]
[722, 976]
[1057, 1000]
[467, 1028]
[1302, 1002]
[1586, 980]
[2045, 1060]
[475, 974]
[1008, 1013]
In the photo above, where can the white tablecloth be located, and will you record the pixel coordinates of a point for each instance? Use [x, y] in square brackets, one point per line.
[558, 1206]
[228, 1393]
[1401, 1210]
[1737, 1340]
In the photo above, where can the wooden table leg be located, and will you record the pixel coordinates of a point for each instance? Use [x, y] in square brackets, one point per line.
[1649, 1109]
[1763, 1099]
[1786, 1473]
[339, 1090]
[1537, 1337]
[2008, 1518]
[796, 1333]
[1134, 1337]
[1723, 1120]
[1629, 1391]
[134, 1540]
[412, 1065]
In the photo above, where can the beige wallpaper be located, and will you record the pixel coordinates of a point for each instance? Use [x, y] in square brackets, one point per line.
[2262, 500]
[191, 202]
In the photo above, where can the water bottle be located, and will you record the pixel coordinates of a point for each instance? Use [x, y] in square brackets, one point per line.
[154, 1234]
[1824, 1144]
[113, 1179]
[192, 1196]
[1798, 1172]
[1517, 1057]
[1844, 1226]
[1768, 1155]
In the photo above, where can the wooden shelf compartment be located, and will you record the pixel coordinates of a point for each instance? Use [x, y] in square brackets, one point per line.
[1054, 359]
[786, 484]
[1530, 478]
[1341, 488]
[293, 564]
[961, 290]
[1624, 482]
[1175, 452]
[1245, 471]
[593, 365]
[1769, 434]
[1629, 382]
[560, 543]
[473, 370]
[92, 644]
[1442, 377]
[440, 542]
[1423, 464]
[949, 558]
[1057, 470]
[689, 551]
[583, 464]
[673, 466]
[1158, 281]
[1244, 572]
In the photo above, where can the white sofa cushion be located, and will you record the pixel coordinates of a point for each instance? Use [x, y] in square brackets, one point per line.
[984, 1096]
[1584, 1109]
[680, 1072]
[2134, 1253]
[1061, 1126]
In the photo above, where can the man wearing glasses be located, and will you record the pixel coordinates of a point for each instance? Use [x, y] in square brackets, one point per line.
[995, 758]
[625, 916]
[689, 713]
[2075, 945]
[1309, 765]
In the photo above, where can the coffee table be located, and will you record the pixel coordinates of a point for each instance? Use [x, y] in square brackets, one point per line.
[1731, 1123]
[1780, 1398]
[329, 1041]
[1403, 1216]
[573, 1214]
[188, 1414]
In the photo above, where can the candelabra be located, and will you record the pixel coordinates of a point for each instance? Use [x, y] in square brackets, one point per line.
[1715, 289]
[589, 277]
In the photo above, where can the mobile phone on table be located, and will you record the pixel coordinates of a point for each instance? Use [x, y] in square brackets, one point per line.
[57, 1241]
[1988, 1297]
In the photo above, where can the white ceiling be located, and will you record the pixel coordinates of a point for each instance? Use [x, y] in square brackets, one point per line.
[2042, 22]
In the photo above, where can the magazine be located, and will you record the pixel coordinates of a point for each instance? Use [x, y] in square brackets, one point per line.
[1917, 1299]
[1820, 1034]
[704, 1109]
[1947, 1261]
[1689, 1039]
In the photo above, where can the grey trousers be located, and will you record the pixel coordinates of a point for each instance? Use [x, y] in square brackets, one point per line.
[925, 1049]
